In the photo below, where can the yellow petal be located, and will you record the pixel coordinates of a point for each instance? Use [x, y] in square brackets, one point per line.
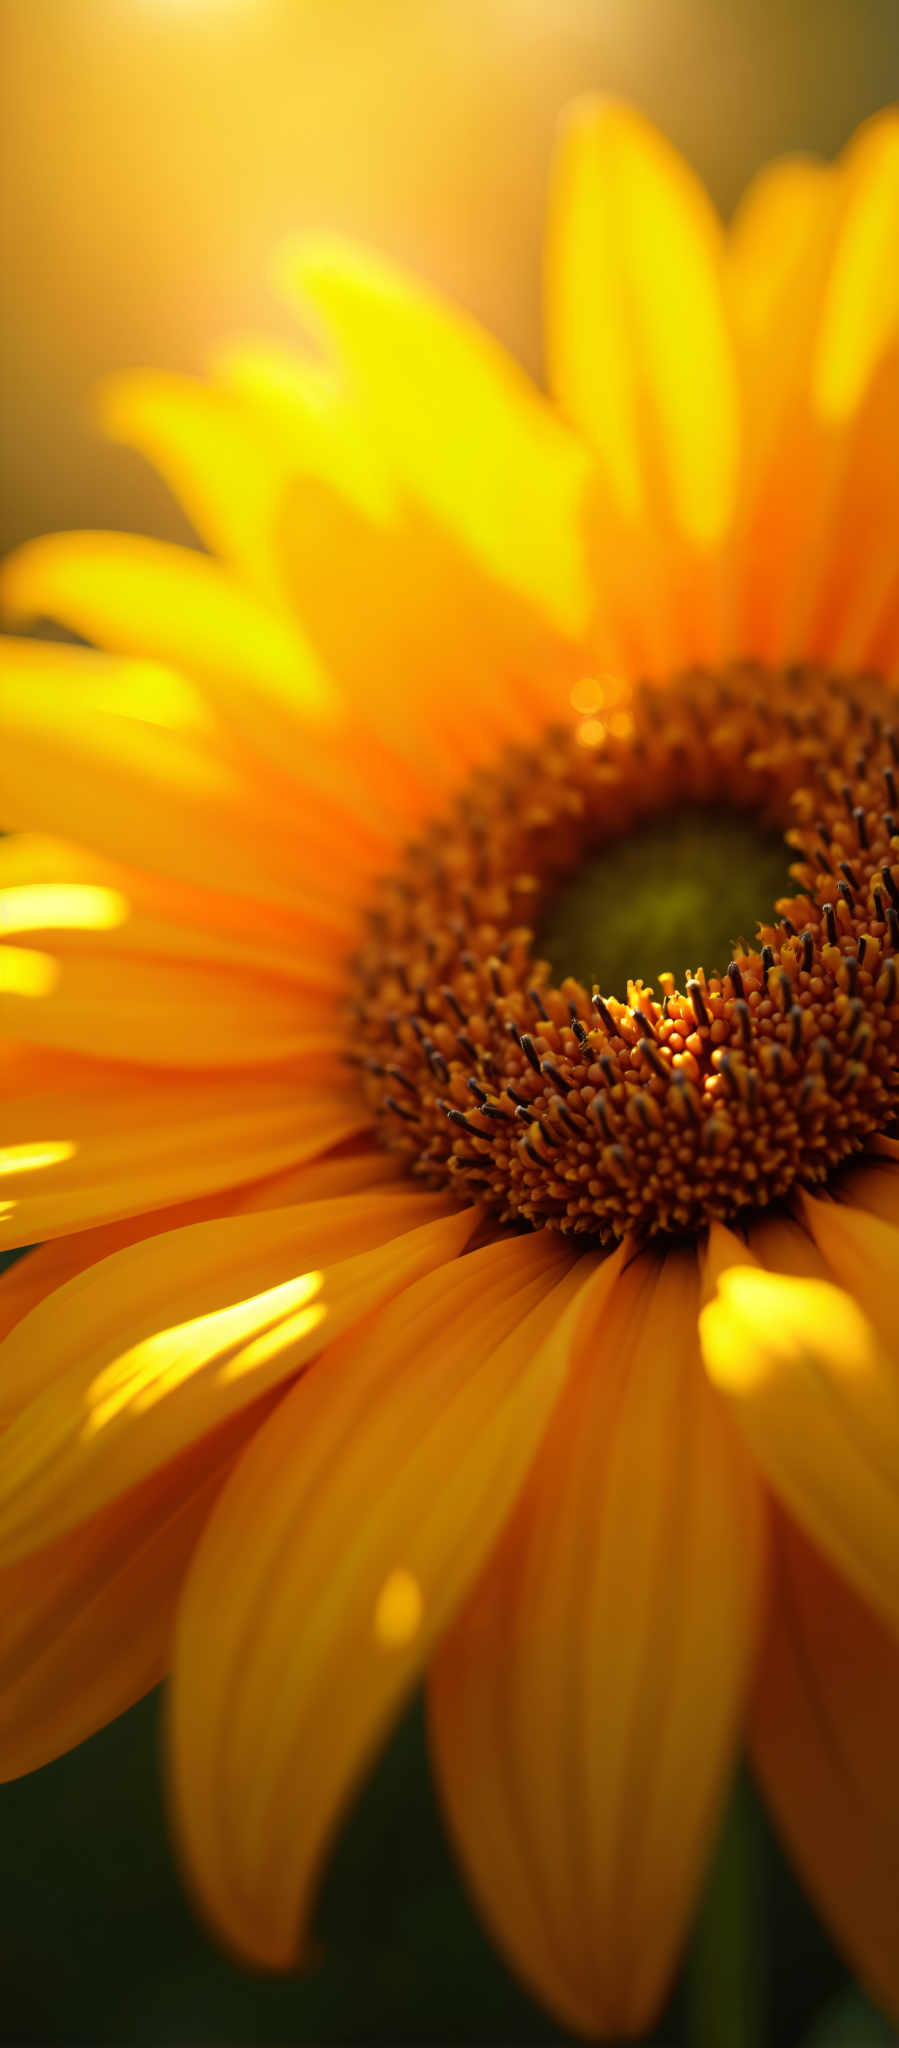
[54, 885]
[337, 1552]
[873, 1185]
[823, 1733]
[862, 1253]
[145, 1353]
[639, 353]
[819, 370]
[421, 607]
[457, 421]
[860, 314]
[166, 1013]
[783, 210]
[86, 1623]
[585, 1702]
[818, 1401]
[103, 1141]
[143, 597]
[226, 467]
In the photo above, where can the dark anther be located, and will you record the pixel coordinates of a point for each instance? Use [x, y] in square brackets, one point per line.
[539, 1005]
[396, 1074]
[796, 1033]
[530, 1051]
[652, 1056]
[479, 1093]
[580, 1030]
[860, 825]
[436, 1061]
[767, 958]
[394, 1026]
[725, 1067]
[808, 951]
[497, 981]
[891, 887]
[830, 921]
[599, 1108]
[520, 1100]
[878, 905]
[890, 823]
[640, 1017]
[892, 740]
[786, 992]
[890, 780]
[457, 1116]
[607, 1068]
[888, 971]
[893, 926]
[455, 1006]
[694, 991]
[565, 1117]
[410, 1116]
[850, 875]
[861, 950]
[743, 1015]
[852, 971]
[526, 1115]
[846, 794]
[605, 1015]
[680, 1082]
[492, 1109]
[548, 1136]
[532, 1155]
[844, 890]
[789, 926]
[823, 864]
[557, 1079]
[824, 832]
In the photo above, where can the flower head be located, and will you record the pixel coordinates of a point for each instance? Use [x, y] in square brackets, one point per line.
[420, 1291]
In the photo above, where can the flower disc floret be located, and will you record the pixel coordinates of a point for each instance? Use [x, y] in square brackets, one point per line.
[565, 1106]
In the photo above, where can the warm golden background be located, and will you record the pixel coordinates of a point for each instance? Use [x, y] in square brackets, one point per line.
[156, 151]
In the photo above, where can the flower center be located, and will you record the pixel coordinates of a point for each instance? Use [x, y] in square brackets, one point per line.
[591, 1100]
[685, 886]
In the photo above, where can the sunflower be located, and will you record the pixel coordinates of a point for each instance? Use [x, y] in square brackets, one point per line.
[414, 1293]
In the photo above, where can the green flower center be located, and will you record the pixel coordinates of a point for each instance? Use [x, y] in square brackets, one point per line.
[687, 889]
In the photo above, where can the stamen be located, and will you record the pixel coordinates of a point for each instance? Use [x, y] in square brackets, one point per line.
[602, 1117]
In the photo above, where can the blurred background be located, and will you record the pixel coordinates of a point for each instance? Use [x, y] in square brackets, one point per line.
[154, 154]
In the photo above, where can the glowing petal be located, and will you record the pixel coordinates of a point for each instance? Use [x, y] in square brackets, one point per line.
[44, 906]
[818, 1401]
[161, 1343]
[343, 1543]
[639, 352]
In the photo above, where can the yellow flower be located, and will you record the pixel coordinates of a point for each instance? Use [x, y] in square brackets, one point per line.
[288, 1083]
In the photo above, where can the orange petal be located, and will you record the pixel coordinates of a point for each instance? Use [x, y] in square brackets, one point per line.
[86, 1623]
[86, 1142]
[336, 1554]
[143, 1354]
[818, 1401]
[823, 1733]
[862, 1253]
[585, 1702]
